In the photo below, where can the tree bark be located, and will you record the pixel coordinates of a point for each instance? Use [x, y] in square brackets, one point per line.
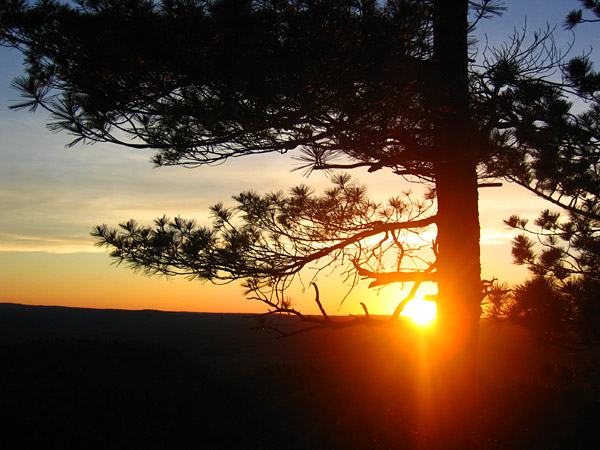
[451, 409]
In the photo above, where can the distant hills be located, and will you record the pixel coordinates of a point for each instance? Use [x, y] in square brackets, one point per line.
[89, 378]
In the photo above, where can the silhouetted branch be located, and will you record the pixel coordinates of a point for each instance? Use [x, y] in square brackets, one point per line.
[411, 295]
[335, 324]
[319, 301]
[567, 205]
[383, 278]
[484, 185]
[364, 307]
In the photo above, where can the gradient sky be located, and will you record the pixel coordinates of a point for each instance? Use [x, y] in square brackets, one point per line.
[51, 197]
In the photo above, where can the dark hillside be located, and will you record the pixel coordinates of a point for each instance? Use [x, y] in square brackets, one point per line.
[86, 378]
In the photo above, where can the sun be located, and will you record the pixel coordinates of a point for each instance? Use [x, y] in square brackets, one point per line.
[422, 312]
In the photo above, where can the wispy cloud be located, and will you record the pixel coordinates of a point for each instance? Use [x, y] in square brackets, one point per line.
[53, 197]
[46, 244]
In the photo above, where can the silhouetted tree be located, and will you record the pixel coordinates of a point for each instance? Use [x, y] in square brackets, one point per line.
[561, 301]
[350, 83]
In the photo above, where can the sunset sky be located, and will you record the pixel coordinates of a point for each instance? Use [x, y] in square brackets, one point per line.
[51, 197]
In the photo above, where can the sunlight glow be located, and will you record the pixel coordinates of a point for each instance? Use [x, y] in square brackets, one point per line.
[422, 312]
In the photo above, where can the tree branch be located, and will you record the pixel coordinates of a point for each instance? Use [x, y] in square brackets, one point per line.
[383, 278]
[325, 316]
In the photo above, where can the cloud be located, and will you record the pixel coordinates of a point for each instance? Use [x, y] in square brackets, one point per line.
[46, 245]
[51, 197]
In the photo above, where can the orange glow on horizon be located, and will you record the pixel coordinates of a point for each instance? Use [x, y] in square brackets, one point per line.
[422, 312]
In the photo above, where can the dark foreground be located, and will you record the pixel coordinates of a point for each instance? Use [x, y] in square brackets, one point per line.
[79, 378]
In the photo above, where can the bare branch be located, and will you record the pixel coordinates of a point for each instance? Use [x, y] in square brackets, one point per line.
[384, 278]
[364, 307]
[325, 316]
[405, 300]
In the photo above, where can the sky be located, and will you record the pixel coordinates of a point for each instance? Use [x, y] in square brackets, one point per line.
[51, 197]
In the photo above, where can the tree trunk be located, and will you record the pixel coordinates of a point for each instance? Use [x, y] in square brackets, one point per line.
[454, 351]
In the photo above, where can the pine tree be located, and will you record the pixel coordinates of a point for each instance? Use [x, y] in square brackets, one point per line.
[382, 85]
[560, 301]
